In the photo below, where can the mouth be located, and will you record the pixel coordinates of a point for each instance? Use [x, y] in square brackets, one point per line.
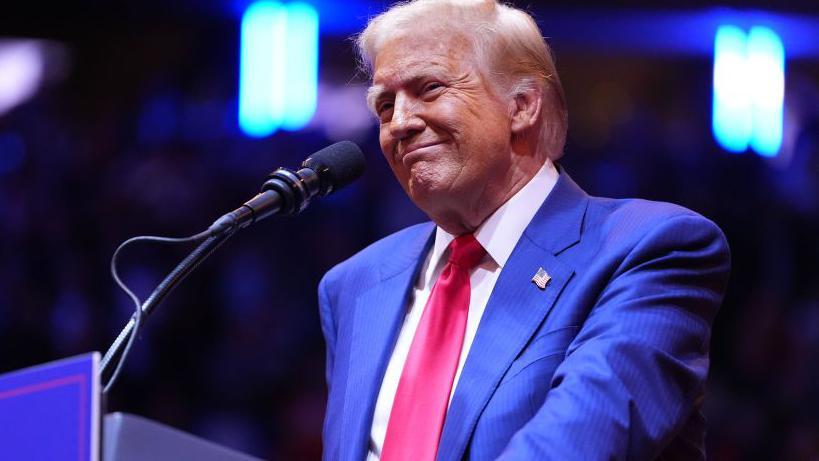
[416, 150]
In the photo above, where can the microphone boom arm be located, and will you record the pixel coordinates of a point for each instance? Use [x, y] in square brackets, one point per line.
[188, 265]
[285, 192]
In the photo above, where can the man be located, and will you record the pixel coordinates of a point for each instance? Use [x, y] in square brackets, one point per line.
[530, 321]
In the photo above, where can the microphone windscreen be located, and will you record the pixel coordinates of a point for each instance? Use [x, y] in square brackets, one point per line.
[336, 165]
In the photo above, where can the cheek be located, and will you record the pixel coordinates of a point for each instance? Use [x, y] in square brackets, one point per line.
[449, 117]
[490, 134]
[398, 170]
[387, 143]
[469, 123]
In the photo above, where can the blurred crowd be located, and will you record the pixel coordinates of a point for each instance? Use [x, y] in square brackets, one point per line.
[140, 137]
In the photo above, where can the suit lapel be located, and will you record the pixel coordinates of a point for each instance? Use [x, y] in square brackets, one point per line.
[515, 309]
[379, 314]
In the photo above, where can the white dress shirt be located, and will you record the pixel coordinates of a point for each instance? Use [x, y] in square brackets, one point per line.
[498, 235]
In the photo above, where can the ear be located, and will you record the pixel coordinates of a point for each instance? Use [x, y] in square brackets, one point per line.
[526, 105]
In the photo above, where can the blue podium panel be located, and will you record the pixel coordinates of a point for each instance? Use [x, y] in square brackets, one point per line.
[51, 411]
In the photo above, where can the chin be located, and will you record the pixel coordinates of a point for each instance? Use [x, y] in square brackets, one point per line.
[424, 186]
[428, 177]
[429, 185]
[421, 195]
[430, 197]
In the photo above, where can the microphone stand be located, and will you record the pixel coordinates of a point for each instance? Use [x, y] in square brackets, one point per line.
[188, 265]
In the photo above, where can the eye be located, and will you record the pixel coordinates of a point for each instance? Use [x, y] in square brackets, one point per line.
[383, 107]
[383, 111]
[432, 86]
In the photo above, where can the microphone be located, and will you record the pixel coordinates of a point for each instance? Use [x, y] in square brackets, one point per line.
[289, 192]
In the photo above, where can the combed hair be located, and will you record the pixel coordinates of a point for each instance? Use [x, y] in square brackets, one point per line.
[506, 41]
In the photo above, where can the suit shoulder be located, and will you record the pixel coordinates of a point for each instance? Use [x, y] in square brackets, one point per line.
[640, 213]
[637, 209]
[392, 248]
[636, 219]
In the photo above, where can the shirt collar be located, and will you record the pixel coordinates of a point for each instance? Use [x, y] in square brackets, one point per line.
[501, 231]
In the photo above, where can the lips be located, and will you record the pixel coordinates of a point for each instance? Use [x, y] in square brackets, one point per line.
[414, 149]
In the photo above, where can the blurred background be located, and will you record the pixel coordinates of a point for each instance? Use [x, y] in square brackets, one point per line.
[152, 117]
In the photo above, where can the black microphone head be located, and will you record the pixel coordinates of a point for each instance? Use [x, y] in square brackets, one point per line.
[336, 165]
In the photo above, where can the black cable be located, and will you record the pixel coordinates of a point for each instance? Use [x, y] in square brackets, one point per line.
[131, 330]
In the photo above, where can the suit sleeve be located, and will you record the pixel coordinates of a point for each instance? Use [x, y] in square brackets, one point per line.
[635, 372]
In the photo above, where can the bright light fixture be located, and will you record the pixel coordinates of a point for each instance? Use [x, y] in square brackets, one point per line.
[22, 65]
[749, 90]
[278, 67]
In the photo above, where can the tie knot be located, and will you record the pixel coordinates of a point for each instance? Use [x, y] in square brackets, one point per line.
[466, 252]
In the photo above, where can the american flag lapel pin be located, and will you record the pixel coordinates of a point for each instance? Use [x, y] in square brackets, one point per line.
[541, 278]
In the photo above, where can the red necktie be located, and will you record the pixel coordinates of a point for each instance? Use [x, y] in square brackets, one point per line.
[419, 408]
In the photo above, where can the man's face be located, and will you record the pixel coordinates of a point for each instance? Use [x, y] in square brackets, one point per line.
[443, 129]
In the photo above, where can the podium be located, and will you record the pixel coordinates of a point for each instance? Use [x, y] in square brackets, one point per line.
[133, 438]
[52, 412]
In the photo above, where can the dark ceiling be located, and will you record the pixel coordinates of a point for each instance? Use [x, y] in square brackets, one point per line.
[82, 17]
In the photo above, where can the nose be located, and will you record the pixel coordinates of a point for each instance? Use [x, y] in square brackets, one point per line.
[406, 120]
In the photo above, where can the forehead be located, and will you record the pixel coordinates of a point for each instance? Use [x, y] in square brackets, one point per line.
[405, 57]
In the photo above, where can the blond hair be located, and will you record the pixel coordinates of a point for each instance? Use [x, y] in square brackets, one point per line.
[505, 40]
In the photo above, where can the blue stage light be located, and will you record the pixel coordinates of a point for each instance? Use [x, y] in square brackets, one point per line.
[766, 62]
[261, 72]
[731, 121]
[301, 77]
[278, 75]
[749, 90]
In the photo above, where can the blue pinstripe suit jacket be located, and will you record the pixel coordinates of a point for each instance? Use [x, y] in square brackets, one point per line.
[608, 362]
